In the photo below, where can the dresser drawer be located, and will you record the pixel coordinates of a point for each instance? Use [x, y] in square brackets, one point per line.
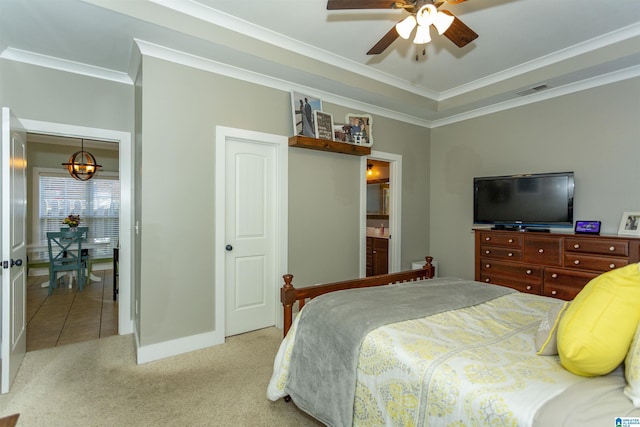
[500, 252]
[543, 250]
[558, 291]
[590, 262]
[567, 278]
[498, 239]
[519, 272]
[600, 246]
[531, 288]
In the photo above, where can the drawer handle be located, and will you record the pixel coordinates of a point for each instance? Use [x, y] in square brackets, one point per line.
[487, 252]
[528, 287]
[612, 266]
[554, 292]
[576, 262]
[554, 276]
[540, 251]
[612, 248]
[510, 254]
[528, 271]
[487, 239]
[510, 240]
[487, 266]
[576, 246]
[487, 280]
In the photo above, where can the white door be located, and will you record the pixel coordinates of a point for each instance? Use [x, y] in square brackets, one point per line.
[250, 241]
[14, 248]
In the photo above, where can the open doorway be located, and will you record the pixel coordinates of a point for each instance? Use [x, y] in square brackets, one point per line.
[380, 200]
[378, 197]
[67, 315]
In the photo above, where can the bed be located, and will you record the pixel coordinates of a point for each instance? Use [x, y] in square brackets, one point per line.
[433, 352]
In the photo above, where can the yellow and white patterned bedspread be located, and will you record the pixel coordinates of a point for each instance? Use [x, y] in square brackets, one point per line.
[474, 366]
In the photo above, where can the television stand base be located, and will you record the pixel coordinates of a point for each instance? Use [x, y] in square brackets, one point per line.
[521, 228]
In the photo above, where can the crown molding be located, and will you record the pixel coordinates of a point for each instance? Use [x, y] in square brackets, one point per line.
[567, 89]
[216, 17]
[603, 41]
[205, 64]
[40, 60]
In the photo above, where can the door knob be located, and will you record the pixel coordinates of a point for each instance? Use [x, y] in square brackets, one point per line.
[17, 262]
[229, 247]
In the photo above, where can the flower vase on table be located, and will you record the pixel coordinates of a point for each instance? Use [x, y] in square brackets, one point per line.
[72, 221]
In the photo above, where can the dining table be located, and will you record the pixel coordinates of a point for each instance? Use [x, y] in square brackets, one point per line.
[97, 243]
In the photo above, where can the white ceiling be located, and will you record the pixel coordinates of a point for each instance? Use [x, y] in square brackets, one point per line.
[567, 45]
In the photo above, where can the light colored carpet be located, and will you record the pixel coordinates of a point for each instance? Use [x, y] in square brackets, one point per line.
[97, 383]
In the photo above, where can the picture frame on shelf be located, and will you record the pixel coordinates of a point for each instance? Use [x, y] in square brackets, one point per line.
[302, 108]
[630, 224]
[323, 125]
[340, 132]
[361, 127]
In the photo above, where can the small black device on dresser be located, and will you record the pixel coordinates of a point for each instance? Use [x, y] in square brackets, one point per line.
[587, 227]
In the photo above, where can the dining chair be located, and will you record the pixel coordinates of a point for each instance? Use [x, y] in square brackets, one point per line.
[85, 234]
[65, 254]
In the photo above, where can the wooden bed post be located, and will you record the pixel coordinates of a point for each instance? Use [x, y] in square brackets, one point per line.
[287, 298]
[430, 268]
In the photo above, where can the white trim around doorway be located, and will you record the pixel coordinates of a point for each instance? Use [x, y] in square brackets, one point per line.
[125, 321]
[222, 133]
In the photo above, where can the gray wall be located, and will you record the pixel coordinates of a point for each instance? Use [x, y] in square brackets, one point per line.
[181, 107]
[48, 95]
[595, 133]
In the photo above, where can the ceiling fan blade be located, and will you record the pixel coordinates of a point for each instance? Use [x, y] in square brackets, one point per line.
[458, 32]
[360, 4]
[438, 3]
[384, 42]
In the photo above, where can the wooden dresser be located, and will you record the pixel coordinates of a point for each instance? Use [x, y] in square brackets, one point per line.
[552, 264]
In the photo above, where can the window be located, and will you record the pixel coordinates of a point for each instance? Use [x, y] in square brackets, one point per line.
[97, 201]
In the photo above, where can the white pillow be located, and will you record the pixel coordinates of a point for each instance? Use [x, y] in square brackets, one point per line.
[632, 370]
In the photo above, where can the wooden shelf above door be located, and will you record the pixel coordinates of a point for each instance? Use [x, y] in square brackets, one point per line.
[328, 145]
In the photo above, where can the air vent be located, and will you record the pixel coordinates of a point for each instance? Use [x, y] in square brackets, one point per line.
[533, 90]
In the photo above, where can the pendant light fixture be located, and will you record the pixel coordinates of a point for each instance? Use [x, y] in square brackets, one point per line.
[82, 165]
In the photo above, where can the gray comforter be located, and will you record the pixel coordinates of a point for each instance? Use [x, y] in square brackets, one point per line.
[322, 371]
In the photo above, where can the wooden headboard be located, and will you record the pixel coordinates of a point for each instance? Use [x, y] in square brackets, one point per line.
[289, 294]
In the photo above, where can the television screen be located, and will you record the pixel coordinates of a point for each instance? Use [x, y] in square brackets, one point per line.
[536, 200]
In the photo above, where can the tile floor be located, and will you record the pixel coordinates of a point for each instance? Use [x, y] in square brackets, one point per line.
[69, 316]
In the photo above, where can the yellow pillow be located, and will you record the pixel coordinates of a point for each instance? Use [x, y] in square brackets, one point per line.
[596, 330]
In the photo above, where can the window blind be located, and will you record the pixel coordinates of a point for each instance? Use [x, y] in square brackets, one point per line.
[97, 201]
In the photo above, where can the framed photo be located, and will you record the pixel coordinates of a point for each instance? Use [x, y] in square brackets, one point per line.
[361, 128]
[302, 108]
[630, 224]
[323, 125]
[340, 132]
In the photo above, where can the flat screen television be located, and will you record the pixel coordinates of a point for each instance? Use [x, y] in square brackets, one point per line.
[524, 201]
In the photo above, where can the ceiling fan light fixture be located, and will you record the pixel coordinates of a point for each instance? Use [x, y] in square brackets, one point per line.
[406, 26]
[422, 35]
[426, 15]
[443, 22]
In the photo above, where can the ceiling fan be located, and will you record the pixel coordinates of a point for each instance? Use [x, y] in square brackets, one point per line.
[423, 14]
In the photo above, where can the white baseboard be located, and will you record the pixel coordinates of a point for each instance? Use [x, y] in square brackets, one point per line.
[150, 353]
